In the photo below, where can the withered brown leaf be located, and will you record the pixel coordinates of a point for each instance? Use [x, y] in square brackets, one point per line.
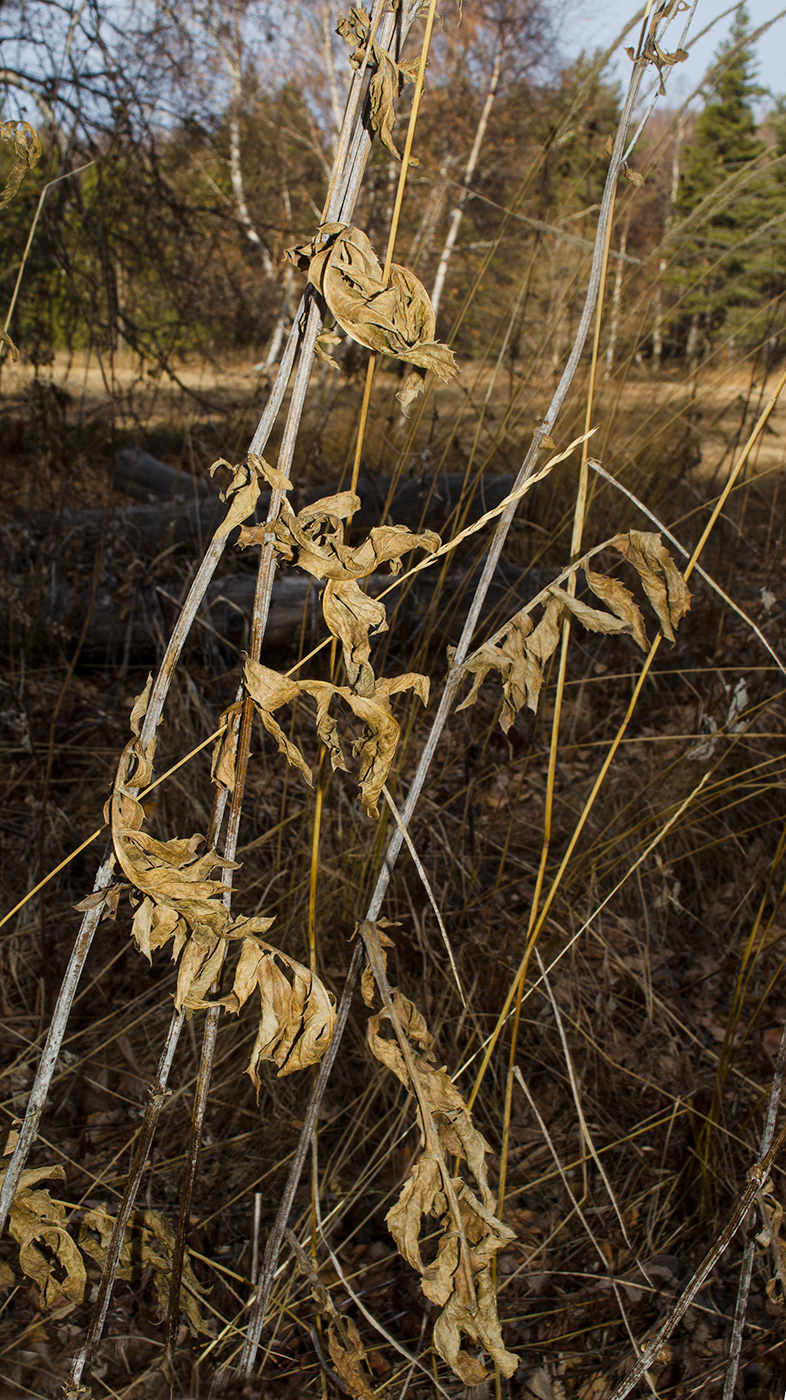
[157, 1240]
[388, 79]
[47, 1254]
[178, 900]
[297, 1013]
[27, 149]
[375, 747]
[394, 318]
[459, 1280]
[660, 578]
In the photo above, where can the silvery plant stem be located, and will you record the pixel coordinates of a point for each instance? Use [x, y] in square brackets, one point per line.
[270, 1262]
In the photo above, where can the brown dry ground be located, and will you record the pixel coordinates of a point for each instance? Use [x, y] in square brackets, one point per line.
[668, 1049]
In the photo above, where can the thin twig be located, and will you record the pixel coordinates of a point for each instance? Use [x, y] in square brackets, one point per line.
[757, 1176]
[746, 1270]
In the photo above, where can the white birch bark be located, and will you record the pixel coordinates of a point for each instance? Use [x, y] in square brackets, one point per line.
[458, 210]
[616, 299]
[236, 166]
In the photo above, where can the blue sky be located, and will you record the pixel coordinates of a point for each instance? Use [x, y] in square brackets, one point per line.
[596, 25]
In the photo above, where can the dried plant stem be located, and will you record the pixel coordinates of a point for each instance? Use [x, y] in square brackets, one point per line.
[414, 1361]
[575, 548]
[738, 1326]
[450, 691]
[600, 779]
[274, 1239]
[158, 1096]
[576, 1204]
[21, 272]
[209, 1036]
[84, 938]
[51, 1051]
[757, 1176]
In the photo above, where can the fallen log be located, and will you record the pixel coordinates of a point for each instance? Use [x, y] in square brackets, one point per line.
[138, 474]
[425, 502]
[131, 625]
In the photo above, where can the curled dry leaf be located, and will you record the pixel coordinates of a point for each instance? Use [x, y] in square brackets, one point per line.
[222, 768]
[520, 659]
[520, 654]
[634, 176]
[652, 49]
[394, 318]
[388, 79]
[346, 1349]
[314, 540]
[5, 339]
[242, 492]
[660, 578]
[377, 744]
[351, 616]
[27, 149]
[297, 1012]
[47, 1254]
[459, 1280]
[156, 1246]
[349, 1356]
[182, 901]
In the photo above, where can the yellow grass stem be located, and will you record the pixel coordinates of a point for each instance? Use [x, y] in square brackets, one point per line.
[533, 936]
[94, 835]
[578, 531]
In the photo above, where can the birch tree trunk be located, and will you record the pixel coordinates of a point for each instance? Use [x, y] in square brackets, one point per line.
[288, 302]
[458, 210]
[616, 299]
[235, 164]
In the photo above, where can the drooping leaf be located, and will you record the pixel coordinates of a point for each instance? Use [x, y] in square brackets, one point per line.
[519, 654]
[660, 578]
[351, 616]
[520, 659]
[620, 601]
[178, 900]
[27, 149]
[388, 79]
[344, 1343]
[222, 767]
[592, 619]
[242, 492]
[394, 318]
[297, 1012]
[377, 744]
[47, 1254]
[459, 1280]
[270, 690]
[157, 1241]
[349, 1356]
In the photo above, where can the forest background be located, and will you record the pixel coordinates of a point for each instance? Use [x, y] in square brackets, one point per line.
[620, 820]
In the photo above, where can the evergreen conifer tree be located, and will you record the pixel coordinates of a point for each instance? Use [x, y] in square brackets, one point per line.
[731, 244]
